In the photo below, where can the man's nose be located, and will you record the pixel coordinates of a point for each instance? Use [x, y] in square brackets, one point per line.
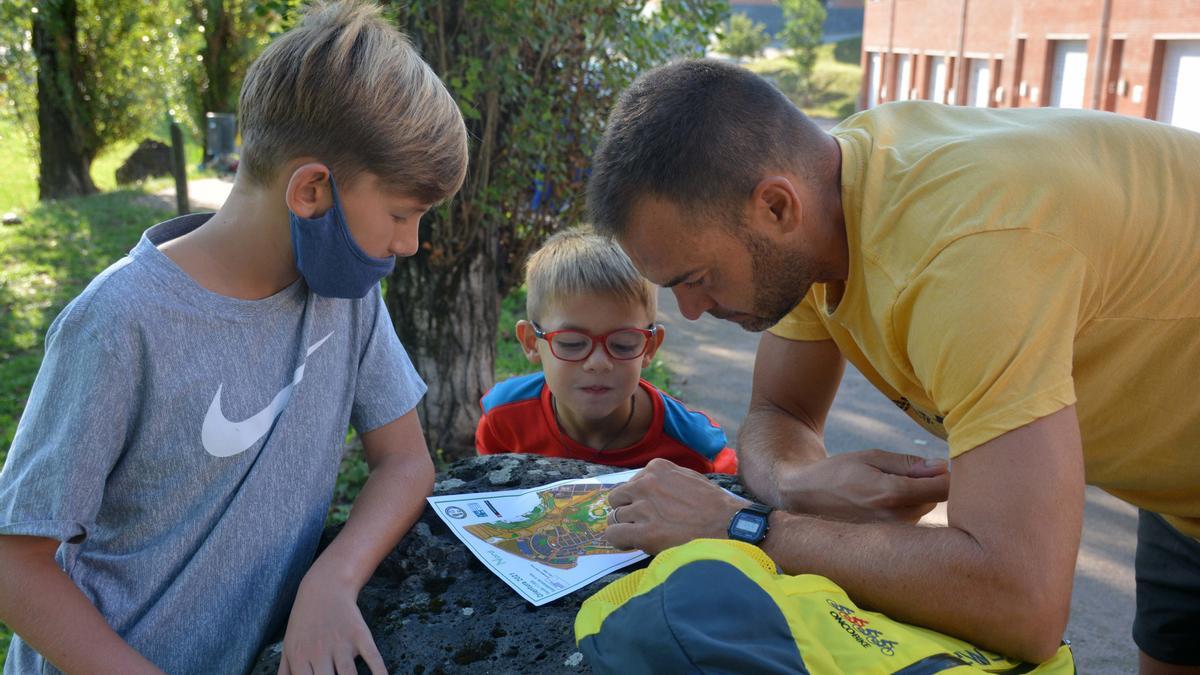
[692, 302]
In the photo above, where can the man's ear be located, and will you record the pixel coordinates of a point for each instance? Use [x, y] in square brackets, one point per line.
[777, 205]
[528, 341]
[309, 194]
[655, 342]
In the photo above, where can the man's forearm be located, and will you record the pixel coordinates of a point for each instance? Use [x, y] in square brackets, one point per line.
[40, 603]
[390, 502]
[942, 578]
[772, 444]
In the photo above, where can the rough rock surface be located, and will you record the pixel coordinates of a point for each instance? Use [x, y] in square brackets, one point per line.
[433, 608]
[149, 160]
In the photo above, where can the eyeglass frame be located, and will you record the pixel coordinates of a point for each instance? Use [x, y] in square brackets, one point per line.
[649, 334]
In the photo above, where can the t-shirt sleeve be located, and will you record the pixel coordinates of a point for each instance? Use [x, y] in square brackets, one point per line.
[70, 436]
[487, 441]
[388, 385]
[989, 327]
[802, 323]
[725, 462]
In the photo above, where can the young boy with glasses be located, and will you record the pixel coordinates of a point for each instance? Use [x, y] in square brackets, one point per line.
[591, 327]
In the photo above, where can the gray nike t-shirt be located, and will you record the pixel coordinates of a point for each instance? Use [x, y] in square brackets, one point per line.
[184, 445]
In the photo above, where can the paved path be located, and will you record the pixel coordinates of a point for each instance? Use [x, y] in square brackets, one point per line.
[712, 363]
[204, 194]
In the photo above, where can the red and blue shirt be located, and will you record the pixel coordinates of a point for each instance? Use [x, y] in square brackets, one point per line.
[517, 417]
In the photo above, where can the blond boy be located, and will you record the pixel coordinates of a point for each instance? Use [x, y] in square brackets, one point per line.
[591, 327]
[170, 477]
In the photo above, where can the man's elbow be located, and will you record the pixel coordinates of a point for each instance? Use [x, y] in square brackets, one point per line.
[1038, 621]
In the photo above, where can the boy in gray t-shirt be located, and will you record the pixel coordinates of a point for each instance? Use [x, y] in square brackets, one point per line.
[170, 476]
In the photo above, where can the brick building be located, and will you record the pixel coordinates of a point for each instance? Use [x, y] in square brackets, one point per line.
[1136, 57]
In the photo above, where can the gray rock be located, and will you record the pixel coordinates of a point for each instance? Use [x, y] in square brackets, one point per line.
[11, 218]
[150, 159]
[433, 608]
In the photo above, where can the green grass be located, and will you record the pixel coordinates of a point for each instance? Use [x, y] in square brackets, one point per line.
[835, 81]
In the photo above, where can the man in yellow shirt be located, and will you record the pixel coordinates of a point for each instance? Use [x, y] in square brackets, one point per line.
[1024, 283]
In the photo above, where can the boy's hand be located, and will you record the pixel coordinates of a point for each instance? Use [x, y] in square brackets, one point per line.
[326, 631]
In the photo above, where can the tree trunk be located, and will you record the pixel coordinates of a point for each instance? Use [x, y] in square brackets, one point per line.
[66, 161]
[446, 317]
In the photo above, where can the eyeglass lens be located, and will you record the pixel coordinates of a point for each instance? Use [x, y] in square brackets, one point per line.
[621, 345]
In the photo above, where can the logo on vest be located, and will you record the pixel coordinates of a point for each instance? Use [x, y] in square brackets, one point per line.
[223, 438]
[856, 626]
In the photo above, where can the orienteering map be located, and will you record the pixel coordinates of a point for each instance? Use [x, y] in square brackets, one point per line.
[544, 542]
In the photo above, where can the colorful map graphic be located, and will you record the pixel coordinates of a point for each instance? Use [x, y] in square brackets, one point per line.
[569, 522]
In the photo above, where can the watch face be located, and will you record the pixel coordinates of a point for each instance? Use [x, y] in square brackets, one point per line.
[747, 527]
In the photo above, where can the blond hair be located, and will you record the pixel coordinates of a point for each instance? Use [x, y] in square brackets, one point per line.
[347, 88]
[578, 261]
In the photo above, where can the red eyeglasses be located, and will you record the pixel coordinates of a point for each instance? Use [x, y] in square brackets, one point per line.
[573, 345]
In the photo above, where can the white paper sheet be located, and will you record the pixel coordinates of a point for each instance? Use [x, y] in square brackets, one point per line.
[544, 542]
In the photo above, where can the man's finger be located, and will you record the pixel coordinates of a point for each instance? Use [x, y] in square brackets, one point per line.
[283, 664]
[906, 465]
[623, 535]
[912, 491]
[622, 495]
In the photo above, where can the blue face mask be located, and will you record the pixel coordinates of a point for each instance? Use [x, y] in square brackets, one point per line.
[328, 258]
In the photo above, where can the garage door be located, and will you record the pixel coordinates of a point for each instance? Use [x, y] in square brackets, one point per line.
[1179, 101]
[980, 87]
[1070, 73]
[875, 65]
[904, 66]
[940, 69]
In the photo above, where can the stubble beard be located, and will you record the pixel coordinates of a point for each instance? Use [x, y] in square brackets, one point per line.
[781, 280]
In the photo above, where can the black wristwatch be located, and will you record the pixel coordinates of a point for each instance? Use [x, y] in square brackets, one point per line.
[750, 524]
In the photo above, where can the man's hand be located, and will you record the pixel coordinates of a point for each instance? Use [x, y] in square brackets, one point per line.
[665, 505]
[865, 486]
[326, 631]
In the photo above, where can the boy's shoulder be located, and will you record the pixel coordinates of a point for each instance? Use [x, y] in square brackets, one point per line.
[108, 302]
[692, 428]
[116, 301]
[514, 390]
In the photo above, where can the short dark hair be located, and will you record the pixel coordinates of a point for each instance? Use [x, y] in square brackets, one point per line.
[697, 133]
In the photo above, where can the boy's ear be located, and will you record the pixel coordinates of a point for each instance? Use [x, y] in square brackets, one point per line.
[655, 342]
[309, 194]
[528, 341]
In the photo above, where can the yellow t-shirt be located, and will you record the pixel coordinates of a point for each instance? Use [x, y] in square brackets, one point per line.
[1005, 264]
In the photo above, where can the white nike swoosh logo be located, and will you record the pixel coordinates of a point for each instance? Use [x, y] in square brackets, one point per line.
[223, 438]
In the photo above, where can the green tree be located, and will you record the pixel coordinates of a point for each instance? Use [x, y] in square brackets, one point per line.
[95, 71]
[220, 39]
[803, 22]
[18, 68]
[743, 38]
[535, 81]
